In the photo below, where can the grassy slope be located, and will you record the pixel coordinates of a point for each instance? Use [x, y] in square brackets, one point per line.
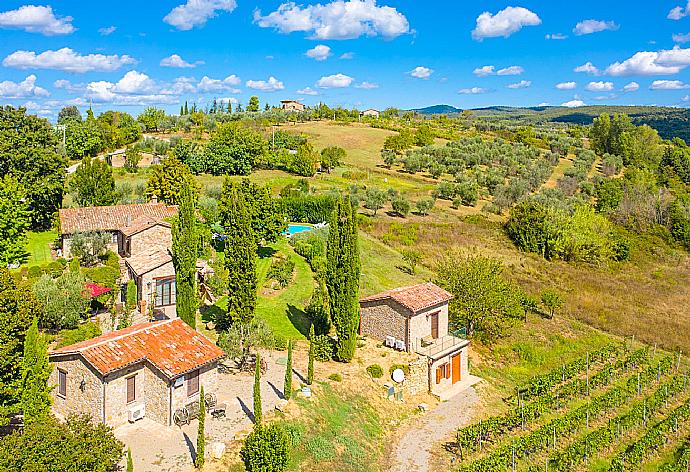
[38, 247]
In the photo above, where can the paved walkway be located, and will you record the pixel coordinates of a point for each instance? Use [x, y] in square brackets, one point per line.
[413, 451]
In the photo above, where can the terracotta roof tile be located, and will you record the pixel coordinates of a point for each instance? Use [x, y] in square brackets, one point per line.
[146, 262]
[415, 298]
[141, 224]
[110, 218]
[171, 346]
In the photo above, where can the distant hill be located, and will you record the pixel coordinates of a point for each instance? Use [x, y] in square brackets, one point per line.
[438, 110]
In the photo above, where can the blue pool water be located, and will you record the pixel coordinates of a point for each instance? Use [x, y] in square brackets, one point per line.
[297, 228]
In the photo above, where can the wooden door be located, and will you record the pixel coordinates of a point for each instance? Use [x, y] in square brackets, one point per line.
[434, 325]
[455, 363]
[131, 388]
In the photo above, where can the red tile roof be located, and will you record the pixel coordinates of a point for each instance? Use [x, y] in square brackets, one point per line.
[141, 224]
[415, 298]
[110, 218]
[146, 262]
[171, 346]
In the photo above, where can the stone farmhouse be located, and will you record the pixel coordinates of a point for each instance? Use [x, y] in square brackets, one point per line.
[371, 112]
[149, 369]
[292, 105]
[142, 238]
[415, 319]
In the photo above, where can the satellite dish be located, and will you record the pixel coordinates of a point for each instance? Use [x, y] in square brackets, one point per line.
[398, 375]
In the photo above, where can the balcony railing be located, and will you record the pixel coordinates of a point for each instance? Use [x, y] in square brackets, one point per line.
[438, 345]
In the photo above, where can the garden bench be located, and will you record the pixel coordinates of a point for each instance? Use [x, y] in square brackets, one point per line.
[191, 410]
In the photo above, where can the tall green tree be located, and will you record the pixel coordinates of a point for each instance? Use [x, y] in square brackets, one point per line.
[240, 255]
[258, 413]
[268, 218]
[36, 368]
[233, 149]
[15, 218]
[484, 300]
[28, 152]
[67, 114]
[201, 434]
[93, 183]
[18, 307]
[185, 249]
[287, 385]
[151, 118]
[167, 180]
[253, 104]
[342, 277]
[83, 138]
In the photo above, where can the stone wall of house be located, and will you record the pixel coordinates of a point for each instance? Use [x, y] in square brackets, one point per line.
[147, 288]
[116, 406]
[446, 383]
[158, 237]
[208, 378]
[384, 318]
[417, 380]
[420, 324]
[156, 390]
[78, 401]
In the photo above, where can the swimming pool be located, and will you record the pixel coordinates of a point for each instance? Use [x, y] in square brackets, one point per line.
[297, 228]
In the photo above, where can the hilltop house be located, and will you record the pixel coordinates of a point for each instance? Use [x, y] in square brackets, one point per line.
[150, 370]
[371, 112]
[415, 319]
[142, 238]
[292, 105]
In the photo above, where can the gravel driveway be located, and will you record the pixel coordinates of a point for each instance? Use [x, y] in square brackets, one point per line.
[412, 452]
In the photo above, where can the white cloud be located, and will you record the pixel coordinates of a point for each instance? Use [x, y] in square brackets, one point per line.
[512, 70]
[566, 85]
[107, 31]
[207, 84]
[520, 85]
[543, 104]
[587, 68]
[183, 85]
[473, 91]
[175, 60]
[556, 36]
[573, 103]
[421, 72]
[67, 85]
[197, 12]
[504, 23]
[334, 81]
[631, 87]
[307, 91]
[31, 105]
[599, 86]
[24, 89]
[347, 55]
[66, 59]
[668, 85]
[320, 52]
[681, 38]
[134, 88]
[367, 86]
[664, 62]
[483, 71]
[135, 83]
[339, 19]
[679, 13]
[594, 26]
[36, 19]
[270, 85]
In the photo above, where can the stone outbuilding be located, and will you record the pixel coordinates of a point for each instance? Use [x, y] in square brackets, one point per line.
[371, 112]
[292, 105]
[149, 370]
[415, 319]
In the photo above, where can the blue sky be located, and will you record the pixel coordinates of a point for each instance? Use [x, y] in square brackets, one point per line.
[364, 53]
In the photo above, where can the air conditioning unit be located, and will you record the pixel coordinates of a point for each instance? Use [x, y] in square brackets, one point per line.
[136, 413]
[390, 341]
[399, 345]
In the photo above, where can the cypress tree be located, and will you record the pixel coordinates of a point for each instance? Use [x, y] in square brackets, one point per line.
[257, 392]
[184, 254]
[342, 277]
[229, 107]
[181, 110]
[287, 386]
[35, 396]
[186, 110]
[130, 462]
[240, 256]
[310, 369]
[201, 436]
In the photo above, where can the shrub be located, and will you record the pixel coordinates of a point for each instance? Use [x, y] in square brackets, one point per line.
[266, 449]
[281, 270]
[404, 367]
[88, 246]
[424, 205]
[323, 348]
[104, 276]
[375, 370]
[82, 332]
[54, 268]
[401, 206]
[336, 377]
[35, 272]
[280, 342]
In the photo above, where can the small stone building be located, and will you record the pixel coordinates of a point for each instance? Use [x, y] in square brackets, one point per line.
[150, 370]
[153, 273]
[292, 105]
[371, 112]
[415, 319]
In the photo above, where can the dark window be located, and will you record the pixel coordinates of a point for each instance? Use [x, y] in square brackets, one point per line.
[131, 389]
[123, 293]
[192, 383]
[434, 325]
[165, 292]
[62, 383]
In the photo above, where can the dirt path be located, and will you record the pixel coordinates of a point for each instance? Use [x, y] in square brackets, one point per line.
[413, 451]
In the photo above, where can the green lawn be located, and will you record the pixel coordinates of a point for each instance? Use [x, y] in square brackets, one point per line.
[38, 247]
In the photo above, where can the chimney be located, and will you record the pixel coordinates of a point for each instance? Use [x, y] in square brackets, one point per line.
[154, 199]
